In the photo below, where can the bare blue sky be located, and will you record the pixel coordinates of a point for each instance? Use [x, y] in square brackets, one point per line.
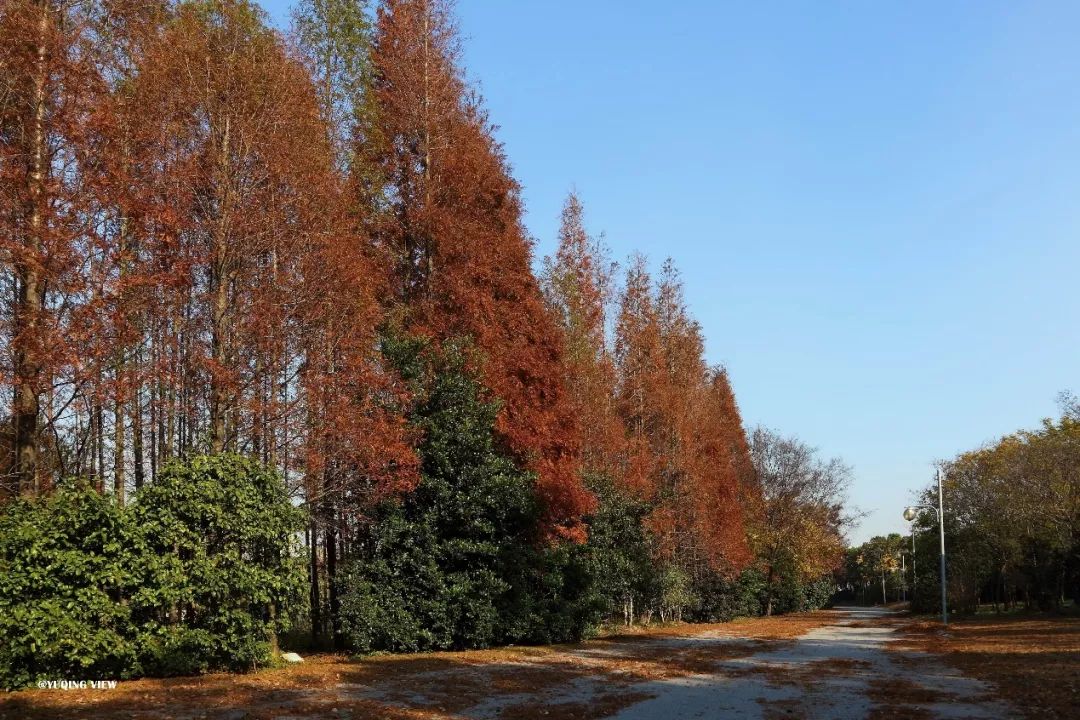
[876, 206]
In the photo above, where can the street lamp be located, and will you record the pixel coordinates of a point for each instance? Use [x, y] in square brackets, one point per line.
[910, 514]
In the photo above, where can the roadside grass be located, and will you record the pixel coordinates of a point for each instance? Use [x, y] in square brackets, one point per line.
[593, 679]
[1032, 659]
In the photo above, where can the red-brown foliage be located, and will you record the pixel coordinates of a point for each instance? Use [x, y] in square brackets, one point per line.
[47, 251]
[577, 284]
[266, 295]
[463, 261]
[686, 438]
[195, 273]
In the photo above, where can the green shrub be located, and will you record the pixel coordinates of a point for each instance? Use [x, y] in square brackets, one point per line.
[195, 575]
[176, 650]
[620, 551]
[556, 598]
[792, 596]
[721, 598]
[65, 567]
[218, 579]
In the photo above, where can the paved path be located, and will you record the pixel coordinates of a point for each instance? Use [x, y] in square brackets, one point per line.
[840, 671]
[836, 672]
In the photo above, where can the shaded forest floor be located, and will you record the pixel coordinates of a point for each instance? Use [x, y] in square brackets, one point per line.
[1032, 660]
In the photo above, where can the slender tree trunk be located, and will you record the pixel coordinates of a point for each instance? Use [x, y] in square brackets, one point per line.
[155, 410]
[170, 442]
[137, 431]
[769, 593]
[30, 291]
[119, 440]
[331, 584]
[219, 278]
[316, 600]
[258, 445]
[99, 444]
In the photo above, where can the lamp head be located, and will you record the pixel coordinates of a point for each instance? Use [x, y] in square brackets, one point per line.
[910, 514]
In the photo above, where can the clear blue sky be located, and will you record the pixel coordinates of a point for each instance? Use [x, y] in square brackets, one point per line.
[876, 206]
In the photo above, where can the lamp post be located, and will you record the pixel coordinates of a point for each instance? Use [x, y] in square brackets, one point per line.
[903, 578]
[914, 572]
[910, 514]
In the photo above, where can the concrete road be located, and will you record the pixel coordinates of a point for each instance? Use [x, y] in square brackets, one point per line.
[843, 670]
[837, 672]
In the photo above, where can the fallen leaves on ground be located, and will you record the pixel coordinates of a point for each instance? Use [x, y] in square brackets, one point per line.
[1032, 660]
[519, 680]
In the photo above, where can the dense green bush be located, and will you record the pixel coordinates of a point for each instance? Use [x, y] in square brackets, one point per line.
[220, 581]
[66, 564]
[620, 551]
[720, 598]
[554, 596]
[196, 574]
[802, 597]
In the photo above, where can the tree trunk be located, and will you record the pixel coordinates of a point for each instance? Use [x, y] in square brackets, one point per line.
[99, 444]
[316, 600]
[137, 429]
[94, 428]
[30, 291]
[119, 480]
[331, 586]
[219, 401]
[769, 593]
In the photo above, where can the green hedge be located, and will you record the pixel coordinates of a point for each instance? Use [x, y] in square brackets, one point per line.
[196, 574]
[66, 568]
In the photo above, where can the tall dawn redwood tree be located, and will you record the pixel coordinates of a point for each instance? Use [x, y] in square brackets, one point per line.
[577, 283]
[226, 131]
[462, 258]
[48, 84]
[262, 340]
[687, 449]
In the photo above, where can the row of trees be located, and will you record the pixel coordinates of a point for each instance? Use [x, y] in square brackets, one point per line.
[1012, 521]
[309, 251]
[1012, 529]
[881, 570]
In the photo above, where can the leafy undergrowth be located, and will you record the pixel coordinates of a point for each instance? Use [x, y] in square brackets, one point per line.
[592, 680]
[1032, 660]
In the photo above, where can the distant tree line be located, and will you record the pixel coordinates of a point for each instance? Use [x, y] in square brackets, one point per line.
[882, 570]
[299, 261]
[1012, 529]
[1012, 522]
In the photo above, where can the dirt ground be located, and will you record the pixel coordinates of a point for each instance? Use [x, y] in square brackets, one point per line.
[847, 663]
[1033, 660]
[514, 681]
